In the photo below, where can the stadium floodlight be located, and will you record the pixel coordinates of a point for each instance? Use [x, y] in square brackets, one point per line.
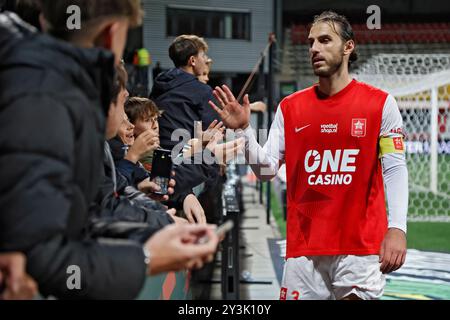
[421, 85]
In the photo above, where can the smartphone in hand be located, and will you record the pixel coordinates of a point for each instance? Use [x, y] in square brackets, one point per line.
[220, 231]
[161, 170]
[224, 228]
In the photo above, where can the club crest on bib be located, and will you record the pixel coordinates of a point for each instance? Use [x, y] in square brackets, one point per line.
[359, 127]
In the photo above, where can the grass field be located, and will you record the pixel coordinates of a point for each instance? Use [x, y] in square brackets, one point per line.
[421, 201]
[429, 236]
[277, 212]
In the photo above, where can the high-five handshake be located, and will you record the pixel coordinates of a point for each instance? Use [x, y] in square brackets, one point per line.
[233, 114]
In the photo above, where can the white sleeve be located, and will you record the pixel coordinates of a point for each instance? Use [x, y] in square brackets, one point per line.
[391, 121]
[395, 172]
[265, 161]
[395, 175]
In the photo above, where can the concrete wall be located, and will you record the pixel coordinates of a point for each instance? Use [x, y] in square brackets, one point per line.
[228, 55]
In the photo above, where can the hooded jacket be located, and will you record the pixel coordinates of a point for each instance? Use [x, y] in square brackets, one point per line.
[53, 101]
[184, 100]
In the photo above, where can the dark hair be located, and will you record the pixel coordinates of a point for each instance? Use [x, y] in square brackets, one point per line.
[92, 11]
[28, 10]
[140, 108]
[120, 81]
[184, 47]
[345, 29]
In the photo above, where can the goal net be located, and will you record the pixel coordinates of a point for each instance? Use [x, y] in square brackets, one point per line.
[421, 85]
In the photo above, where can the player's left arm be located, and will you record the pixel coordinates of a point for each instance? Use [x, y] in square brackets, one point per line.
[395, 175]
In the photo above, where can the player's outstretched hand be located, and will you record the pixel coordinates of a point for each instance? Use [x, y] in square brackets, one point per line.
[393, 250]
[234, 115]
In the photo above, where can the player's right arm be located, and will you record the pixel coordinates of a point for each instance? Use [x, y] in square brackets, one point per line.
[264, 161]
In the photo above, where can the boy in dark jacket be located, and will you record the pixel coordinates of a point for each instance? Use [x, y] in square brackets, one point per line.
[117, 201]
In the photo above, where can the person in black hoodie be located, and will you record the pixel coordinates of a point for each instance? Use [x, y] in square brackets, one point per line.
[54, 99]
[178, 92]
[184, 101]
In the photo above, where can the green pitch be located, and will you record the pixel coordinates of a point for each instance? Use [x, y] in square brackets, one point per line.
[412, 290]
[423, 202]
[427, 236]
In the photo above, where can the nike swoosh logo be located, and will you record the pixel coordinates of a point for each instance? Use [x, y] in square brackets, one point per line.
[297, 130]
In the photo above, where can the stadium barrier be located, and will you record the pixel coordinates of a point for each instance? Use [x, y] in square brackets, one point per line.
[232, 205]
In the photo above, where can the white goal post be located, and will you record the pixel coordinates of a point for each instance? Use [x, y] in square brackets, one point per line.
[421, 85]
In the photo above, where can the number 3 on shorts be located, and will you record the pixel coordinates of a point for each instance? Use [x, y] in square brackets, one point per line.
[283, 292]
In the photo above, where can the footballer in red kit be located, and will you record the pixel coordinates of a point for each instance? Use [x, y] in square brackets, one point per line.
[342, 143]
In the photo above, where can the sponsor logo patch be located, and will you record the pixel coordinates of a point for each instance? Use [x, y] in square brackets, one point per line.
[331, 167]
[329, 128]
[297, 130]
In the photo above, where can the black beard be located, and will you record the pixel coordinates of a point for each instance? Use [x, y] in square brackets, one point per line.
[330, 71]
